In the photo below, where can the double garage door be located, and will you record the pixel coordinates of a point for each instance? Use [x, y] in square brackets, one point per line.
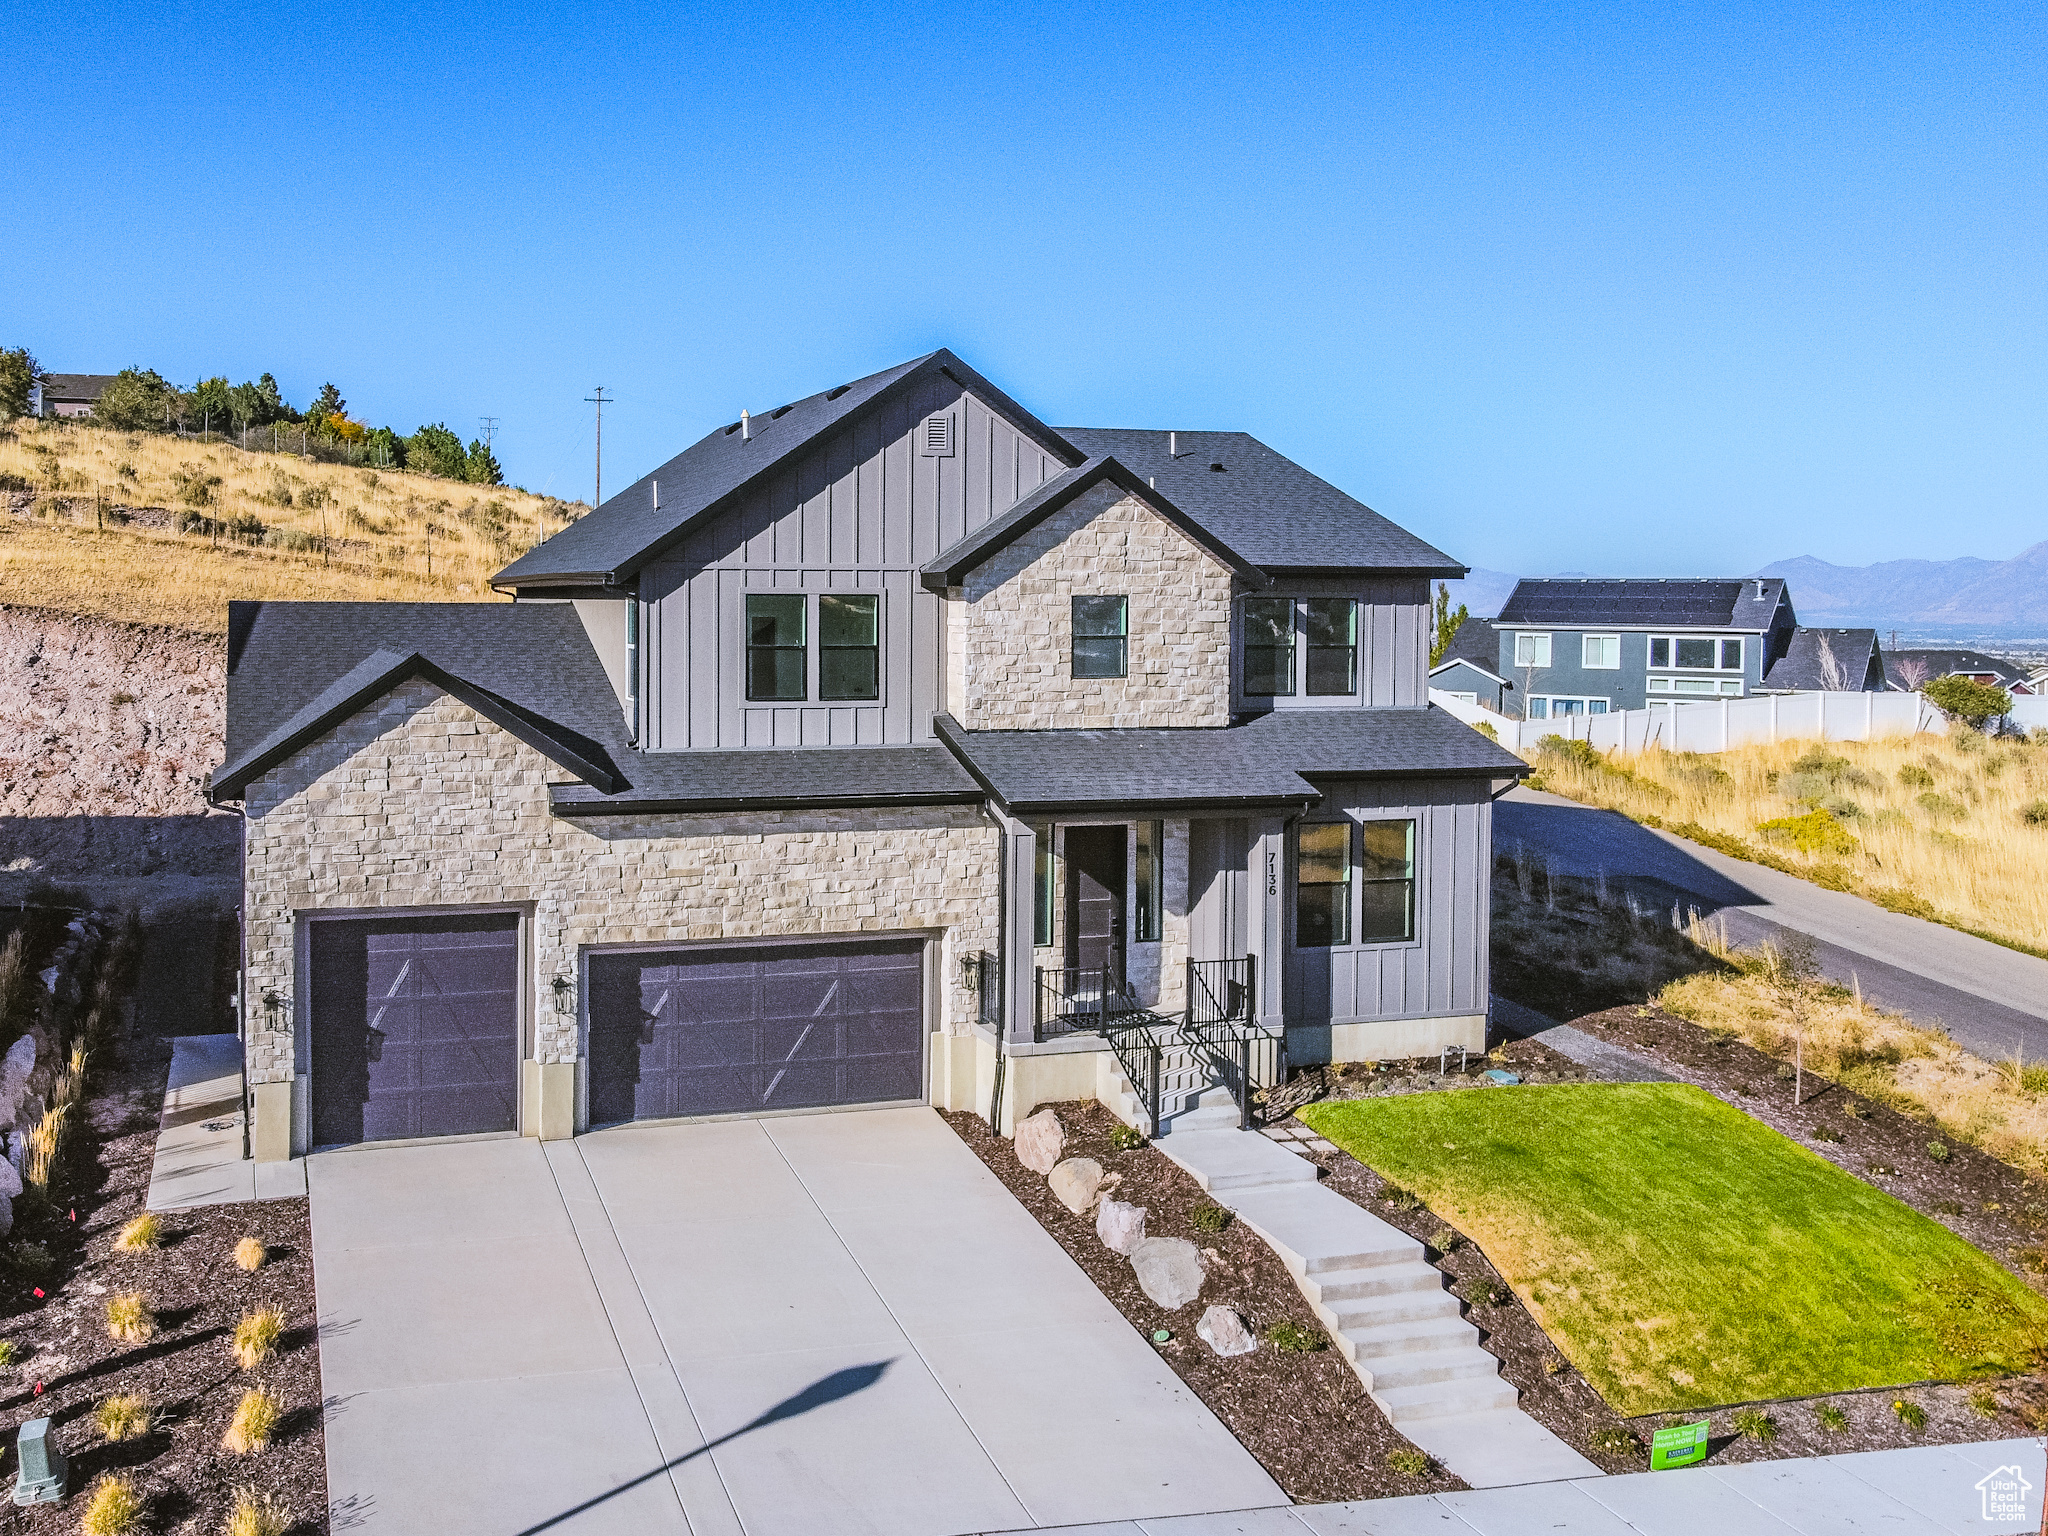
[415, 1028]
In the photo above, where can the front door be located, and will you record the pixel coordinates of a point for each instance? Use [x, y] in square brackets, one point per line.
[1096, 863]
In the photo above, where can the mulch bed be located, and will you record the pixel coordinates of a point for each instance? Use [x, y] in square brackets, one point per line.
[1983, 1200]
[1305, 1417]
[199, 1295]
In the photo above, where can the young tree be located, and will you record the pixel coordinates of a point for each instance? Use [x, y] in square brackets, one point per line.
[480, 468]
[436, 451]
[209, 402]
[327, 403]
[385, 449]
[19, 375]
[1973, 703]
[137, 400]
[1834, 677]
[1794, 968]
[275, 407]
[1913, 672]
[1447, 621]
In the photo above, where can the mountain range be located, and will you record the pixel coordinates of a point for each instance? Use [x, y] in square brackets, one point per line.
[1994, 594]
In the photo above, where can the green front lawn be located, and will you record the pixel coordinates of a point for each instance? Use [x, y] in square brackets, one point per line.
[1682, 1255]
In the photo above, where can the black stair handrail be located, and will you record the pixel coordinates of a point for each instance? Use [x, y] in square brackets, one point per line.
[1221, 1020]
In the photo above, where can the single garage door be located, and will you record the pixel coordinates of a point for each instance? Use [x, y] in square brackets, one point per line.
[415, 1026]
[736, 1031]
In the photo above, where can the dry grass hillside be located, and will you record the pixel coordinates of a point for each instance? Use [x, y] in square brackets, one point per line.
[1953, 828]
[156, 530]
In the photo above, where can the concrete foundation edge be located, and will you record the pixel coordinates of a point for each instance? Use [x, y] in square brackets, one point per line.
[270, 1122]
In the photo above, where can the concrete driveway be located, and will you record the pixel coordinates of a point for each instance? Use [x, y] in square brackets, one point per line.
[836, 1322]
[1991, 999]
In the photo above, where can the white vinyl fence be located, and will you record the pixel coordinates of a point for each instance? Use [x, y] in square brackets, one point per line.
[1716, 725]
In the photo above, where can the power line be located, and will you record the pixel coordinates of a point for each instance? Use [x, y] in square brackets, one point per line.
[490, 426]
[600, 402]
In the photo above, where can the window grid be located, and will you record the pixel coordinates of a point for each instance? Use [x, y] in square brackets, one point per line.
[849, 646]
[776, 650]
[1101, 634]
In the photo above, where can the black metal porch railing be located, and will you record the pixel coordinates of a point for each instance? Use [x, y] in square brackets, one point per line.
[1080, 1000]
[1222, 1022]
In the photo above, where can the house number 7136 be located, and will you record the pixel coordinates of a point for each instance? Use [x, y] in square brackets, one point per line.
[1272, 874]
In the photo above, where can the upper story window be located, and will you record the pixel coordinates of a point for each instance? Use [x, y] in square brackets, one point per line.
[1696, 653]
[1600, 653]
[776, 652]
[1101, 636]
[849, 665]
[849, 645]
[1532, 650]
[1323, 665]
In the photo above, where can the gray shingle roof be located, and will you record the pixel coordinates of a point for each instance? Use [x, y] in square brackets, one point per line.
[1263, 504]
[1476, 642]
[295, 670]
[1943, 663]
[1855, 654]
[1640, 602]
[1268, 760]
[632, 527]
[76, 386]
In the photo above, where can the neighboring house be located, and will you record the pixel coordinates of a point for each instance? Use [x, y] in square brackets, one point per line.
[1591, 646]
[856, 740]
[1909, 669]
[1467, 668]
[1829, 660]
[69, 394]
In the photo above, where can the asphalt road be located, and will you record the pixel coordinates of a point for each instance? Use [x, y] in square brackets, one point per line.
[1990, 999]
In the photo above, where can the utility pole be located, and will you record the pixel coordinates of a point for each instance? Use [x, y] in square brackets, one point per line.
[600, 402]
[490, 426]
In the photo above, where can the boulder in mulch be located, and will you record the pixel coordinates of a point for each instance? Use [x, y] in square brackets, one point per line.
[1040, 1140]
[1077, 1182]
[1169, 1271]
[1224, 1331]
[1121, 1227]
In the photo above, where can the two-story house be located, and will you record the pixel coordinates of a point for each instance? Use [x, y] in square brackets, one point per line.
[890, 746]
[1577, 646]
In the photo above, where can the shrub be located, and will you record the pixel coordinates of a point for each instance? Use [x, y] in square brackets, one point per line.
[129, 1317]
[1941, 806]
[256, 1335]
[1938, 1150]
[1486, 1293]
[124, 1416]
[1909, 1413]
[43, 1142]
[1555, 1365]
[1296, 1338]
[1984, 1403]
[1210, 1218]
[1614, 1441]
[1755, 1424]
[1126, 1138]
[2035, 813]
[145, 1231]
[1815, 832]
[1913, 776]
[8, 1350]
[1830, 1418]
[255, 1421]
[1971, 702]
[32, 1260]
[1409, 1463]
[1446, 1241]
[257, 1514]
[1824, 1134]
[250, 1254]
[116, 1507]
[1401, 1199]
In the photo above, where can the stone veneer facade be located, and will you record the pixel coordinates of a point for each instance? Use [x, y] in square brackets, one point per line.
[418, 801]
[1014, 621]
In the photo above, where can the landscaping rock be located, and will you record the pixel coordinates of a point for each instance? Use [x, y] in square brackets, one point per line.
[1224, 1331]
[14, 1070]
[10, 1181]
[1077, 1181]
[1169, 1271]
[1040, 1140]
[6, 1215]
[1121, 1227]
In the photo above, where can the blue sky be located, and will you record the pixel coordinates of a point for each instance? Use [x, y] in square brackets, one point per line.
[1645, 290]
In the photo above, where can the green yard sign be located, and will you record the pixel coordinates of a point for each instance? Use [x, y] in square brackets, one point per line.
[1679, 1446]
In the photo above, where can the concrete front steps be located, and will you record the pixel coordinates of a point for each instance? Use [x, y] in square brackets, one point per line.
[1383, 1302]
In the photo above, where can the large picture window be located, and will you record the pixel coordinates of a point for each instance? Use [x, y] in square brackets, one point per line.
[1330, 625]
[776, 654]
[849, 646]
[1696, 653]
[1269, 647]
[1386, 883]
[1322, 884]
[1101, 636]
[1151, 854]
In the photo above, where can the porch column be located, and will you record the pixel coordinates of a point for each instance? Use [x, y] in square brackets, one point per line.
[1020, 873]
[1266, 877]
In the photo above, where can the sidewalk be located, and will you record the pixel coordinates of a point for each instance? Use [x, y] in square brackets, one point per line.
[1920, 1491]
[199, 1157]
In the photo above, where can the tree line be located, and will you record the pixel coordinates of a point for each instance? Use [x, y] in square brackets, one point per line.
[143, 400]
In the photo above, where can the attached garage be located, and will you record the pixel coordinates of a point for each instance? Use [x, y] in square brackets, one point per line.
[721, 1031]
[415, 1026]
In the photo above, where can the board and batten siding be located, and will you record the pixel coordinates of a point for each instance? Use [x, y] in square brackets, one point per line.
[862, 511]
[1393, 642]
[1443, 970]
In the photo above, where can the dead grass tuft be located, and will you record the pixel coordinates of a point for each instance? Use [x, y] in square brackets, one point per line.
[256, 1335]
[124, 1416]
[130, 1320]
[144, 1232]
[115, 1509]
[250, 1254]
[257, 1514]
[255, 1421]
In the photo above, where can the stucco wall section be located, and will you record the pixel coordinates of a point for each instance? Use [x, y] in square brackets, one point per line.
[1016, 619]
[418, 801]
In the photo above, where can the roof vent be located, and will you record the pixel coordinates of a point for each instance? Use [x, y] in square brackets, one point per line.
[834, 394]
[1217, 468]
[656, 484]
[937, 439]
[1759, 589]
[1173, 445]
[732, 429]
[780, 411]
[746, 427]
